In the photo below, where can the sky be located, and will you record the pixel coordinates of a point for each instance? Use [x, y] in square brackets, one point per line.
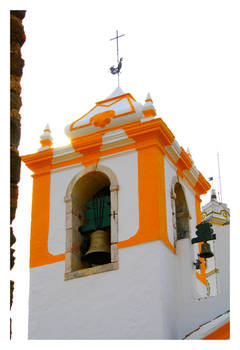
[185, 53]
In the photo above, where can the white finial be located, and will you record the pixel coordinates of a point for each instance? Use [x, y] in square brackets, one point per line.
[46, 139]
[189, 153]
[47, 128]
[148, 108]
[213, 195]
[148, 98]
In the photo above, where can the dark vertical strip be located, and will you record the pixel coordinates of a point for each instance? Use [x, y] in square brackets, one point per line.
[17, 38]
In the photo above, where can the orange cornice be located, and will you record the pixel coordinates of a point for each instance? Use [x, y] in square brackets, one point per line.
[202, 185]
[136, 129]
[184, 162]
[143, 134]
[83, 143]
[39, 162]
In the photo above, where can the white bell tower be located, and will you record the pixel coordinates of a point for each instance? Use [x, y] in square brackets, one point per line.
[136, 279]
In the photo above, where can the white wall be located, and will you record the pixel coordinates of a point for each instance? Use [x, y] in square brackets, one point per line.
[149, 297]
[193, 311]
[134, 302]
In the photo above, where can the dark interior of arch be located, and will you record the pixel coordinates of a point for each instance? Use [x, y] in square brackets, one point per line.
[182, 213]
[92, 193]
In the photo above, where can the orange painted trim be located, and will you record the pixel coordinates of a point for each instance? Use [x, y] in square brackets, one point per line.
[110, 104]
[202, 275]
[39, 254]
[152, 199]
[221, 333]
[46, 142]
[40, 163]
[102, 119]
[149, 100]
[89, 147]
[184, 163]
[116, 98]
[166, 136]
[149, 112]
[202, 185]
[71, 128]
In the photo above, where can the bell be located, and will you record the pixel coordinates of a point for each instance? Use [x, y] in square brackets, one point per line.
[206, 251]
[99, 250]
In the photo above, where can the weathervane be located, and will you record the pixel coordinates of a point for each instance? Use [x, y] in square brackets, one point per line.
[116, 70]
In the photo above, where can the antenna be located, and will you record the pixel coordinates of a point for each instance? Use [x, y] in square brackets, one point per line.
[220, 186]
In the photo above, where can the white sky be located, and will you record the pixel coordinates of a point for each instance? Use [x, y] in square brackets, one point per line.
[185, 53]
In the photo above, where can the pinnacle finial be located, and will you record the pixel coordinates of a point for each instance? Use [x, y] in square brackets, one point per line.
[213, 195]
[148, 108]
[47, 128]
[148, 98]
[46, 139]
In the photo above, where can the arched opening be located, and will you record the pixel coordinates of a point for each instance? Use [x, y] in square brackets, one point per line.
[181, 212]
[91, 223]
[95, 230]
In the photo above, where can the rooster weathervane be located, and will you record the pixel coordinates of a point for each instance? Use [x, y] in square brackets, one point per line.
[116, 70]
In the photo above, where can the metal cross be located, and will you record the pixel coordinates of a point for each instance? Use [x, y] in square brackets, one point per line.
[116, 38]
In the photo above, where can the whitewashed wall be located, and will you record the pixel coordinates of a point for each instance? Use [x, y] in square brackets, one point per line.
[134, 302]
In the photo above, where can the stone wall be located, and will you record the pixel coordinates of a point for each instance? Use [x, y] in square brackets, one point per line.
[17, 38]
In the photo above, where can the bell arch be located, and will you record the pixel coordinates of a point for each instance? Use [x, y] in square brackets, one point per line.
[180, 211]
[84, 187]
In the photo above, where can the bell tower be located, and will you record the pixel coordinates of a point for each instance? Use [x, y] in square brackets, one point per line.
[113, 216]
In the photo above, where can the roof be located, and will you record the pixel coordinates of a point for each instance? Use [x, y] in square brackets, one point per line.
[117, 109]
[119, 120]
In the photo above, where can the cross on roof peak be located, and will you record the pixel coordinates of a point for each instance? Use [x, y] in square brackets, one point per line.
[116, 70]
